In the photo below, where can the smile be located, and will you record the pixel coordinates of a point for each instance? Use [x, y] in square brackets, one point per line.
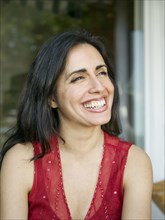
[95, 104]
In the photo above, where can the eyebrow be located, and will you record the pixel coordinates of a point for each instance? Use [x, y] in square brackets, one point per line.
[83, 70]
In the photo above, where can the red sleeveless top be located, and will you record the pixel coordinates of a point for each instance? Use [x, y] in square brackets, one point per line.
[47, 199]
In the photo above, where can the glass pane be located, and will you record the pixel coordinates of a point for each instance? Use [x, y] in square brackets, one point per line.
[26, 24]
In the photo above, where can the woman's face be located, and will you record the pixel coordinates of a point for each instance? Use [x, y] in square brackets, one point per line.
[84, 91]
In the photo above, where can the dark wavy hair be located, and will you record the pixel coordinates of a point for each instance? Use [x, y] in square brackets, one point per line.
[36, 120]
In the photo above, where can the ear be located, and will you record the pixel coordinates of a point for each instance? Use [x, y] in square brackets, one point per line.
[52, 103]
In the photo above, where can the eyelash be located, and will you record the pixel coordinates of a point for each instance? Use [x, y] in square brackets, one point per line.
[103, 73]
[77, 79]
[82, 77]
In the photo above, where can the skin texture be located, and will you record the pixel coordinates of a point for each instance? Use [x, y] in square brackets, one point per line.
[84, 81]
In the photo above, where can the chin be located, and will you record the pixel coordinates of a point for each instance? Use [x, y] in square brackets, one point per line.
[102, 122]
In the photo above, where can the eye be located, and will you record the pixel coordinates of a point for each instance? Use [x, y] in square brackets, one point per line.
[77, 79]
[102, 73]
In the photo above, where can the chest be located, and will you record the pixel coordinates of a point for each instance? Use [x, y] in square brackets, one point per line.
[67, 190]
[80, 179]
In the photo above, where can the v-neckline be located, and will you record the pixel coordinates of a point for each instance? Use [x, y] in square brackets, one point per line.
[96, 185]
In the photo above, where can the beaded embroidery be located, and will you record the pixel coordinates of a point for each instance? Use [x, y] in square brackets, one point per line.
[47, 199]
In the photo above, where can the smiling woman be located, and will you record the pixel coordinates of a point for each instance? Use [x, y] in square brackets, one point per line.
[83, 92]
[64, 159]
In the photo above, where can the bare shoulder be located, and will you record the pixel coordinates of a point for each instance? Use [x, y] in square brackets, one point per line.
[19, 154]
[138, 166]
[17, 164]
[138, 182]
[138, 156]
[17, 174]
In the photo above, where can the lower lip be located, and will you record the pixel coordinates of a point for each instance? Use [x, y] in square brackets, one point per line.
[104, 108]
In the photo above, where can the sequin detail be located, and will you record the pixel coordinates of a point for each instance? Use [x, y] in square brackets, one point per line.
[48, 197]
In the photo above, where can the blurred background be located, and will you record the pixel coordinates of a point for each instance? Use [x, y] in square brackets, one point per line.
[135, 34]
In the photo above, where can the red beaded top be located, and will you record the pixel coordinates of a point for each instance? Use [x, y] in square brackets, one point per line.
[47, 199]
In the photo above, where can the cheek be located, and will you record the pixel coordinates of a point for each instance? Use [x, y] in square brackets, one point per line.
[74, 93]
[110, 87]
[68, 96]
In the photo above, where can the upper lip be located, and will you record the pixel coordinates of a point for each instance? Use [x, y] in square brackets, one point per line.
[94, 99]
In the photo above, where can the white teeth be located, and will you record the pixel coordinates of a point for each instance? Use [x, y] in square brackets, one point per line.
[95, 104]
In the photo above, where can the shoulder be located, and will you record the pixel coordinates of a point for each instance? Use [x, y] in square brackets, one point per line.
[138, 156]
[137, 185]
[19, 153]
[138, 167]
[17, 164]
[16, 181]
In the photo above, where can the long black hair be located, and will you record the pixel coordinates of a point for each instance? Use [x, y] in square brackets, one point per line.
[36, 120]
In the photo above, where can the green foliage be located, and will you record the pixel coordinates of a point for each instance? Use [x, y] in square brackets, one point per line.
[24, 28]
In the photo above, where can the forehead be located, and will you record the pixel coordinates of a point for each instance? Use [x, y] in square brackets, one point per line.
[82, 56]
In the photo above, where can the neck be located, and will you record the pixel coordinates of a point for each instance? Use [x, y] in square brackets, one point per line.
[83, 140]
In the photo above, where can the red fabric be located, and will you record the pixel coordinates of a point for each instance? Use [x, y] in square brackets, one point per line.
[47, 199]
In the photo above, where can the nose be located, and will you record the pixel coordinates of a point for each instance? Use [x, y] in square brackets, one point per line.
[96, 86]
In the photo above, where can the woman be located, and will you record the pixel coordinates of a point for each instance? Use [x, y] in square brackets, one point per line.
[64, 159]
